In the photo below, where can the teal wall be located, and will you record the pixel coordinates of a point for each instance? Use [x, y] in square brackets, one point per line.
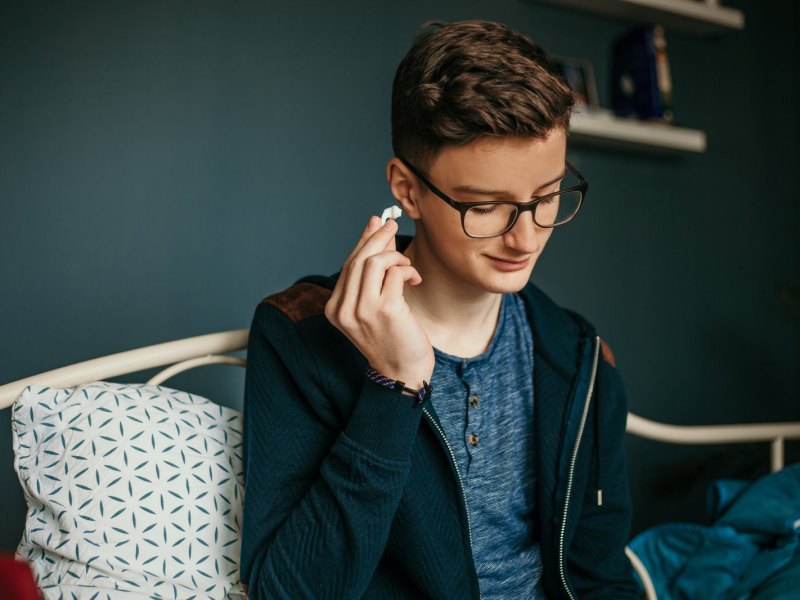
[165, 165]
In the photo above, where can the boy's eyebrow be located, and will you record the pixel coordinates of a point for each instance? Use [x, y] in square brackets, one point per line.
[469, 189]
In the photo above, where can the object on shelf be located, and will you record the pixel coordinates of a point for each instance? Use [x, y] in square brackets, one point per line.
[579, 75]
[641, 85]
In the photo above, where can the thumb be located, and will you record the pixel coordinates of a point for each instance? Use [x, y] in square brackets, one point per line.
[391, 245]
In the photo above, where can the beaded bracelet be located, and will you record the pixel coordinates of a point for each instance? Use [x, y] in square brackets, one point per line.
[420, 395]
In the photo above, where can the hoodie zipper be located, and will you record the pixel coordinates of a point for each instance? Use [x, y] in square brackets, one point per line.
[561, 566]
[458, 474]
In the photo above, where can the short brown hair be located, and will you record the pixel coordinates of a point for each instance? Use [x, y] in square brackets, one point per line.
[473, 79]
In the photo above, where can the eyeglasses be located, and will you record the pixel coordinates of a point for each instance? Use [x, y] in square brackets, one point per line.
[492, 218]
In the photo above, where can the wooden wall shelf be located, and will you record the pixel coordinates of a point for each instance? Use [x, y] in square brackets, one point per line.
[690, 16]
[602, 128]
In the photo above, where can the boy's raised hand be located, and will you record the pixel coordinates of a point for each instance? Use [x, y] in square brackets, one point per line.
[368, 306]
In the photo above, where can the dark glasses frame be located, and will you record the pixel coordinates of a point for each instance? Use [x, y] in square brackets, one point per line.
[519, 207]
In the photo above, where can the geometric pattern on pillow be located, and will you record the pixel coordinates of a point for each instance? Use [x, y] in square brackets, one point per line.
[133, 491]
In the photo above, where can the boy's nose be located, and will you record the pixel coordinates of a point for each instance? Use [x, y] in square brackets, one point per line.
[524, 236]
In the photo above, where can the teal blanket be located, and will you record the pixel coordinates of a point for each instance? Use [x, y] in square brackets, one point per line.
[751, 550]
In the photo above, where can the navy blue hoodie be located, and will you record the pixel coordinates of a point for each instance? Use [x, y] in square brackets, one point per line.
[351, 491]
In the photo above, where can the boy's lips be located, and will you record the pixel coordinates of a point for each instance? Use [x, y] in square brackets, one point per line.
[509, 264]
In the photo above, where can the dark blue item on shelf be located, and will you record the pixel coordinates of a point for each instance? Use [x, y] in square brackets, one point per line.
[640, 80]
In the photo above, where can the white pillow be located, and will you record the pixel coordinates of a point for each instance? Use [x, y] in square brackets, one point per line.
[132, 490]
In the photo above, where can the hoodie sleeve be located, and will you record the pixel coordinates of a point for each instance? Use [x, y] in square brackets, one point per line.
[597, 562]
[322, 487]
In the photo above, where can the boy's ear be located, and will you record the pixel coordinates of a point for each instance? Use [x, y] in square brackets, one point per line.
[404, 186]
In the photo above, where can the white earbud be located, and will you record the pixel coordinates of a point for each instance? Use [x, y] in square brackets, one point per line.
[393, 212]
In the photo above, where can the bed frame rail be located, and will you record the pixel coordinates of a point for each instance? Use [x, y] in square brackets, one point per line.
[187, 353]
[774, 433]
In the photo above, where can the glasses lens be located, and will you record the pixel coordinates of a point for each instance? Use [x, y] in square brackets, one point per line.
[487, 220]
[558, 209]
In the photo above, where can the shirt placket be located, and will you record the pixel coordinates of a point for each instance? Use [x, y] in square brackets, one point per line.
[475, 417]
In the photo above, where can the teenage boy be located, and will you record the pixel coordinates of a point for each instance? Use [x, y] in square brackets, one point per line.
[427, 423]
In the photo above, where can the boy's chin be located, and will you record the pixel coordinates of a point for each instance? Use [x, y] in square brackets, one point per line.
[508, 285]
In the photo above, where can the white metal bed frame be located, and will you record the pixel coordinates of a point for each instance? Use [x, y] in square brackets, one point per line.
[188, 353]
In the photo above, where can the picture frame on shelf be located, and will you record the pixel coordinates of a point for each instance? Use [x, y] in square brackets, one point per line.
[579, 75]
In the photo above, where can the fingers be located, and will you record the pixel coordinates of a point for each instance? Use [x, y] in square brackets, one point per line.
[373, 225]
[376, 236]
[361, 279]
[374, 273]
[391, 246]
[380, 240]
[374, 240]
[396, 278]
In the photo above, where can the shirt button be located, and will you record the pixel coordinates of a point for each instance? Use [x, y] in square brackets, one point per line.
[472, 439]
[473, 401]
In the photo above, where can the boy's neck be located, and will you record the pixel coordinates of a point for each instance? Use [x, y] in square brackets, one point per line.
[458, 318]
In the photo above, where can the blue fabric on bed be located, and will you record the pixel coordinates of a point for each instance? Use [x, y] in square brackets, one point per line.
[722, 493]
[754, 538]
[784, 584]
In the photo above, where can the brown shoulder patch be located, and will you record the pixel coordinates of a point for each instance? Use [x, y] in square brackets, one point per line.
[300, 301]
[608, 355]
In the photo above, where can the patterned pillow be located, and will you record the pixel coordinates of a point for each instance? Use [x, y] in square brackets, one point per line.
[133, 491]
